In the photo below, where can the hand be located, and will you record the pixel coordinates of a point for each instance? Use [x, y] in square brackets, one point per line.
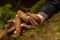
[28, 21]
[31, 21]
[29, 18]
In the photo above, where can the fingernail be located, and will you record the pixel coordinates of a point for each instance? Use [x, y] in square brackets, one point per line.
[14, 21]
[14, 32]
[16, 15]
[28, 17]
[22, 25]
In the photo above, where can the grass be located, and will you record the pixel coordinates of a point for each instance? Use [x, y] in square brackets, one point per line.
[49, 31]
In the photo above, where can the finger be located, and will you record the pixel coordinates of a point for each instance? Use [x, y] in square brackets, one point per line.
[22, 15]
[11, 30]
[35, 17]
[17, 25]
[7, 26]
[33, 22]
[25, 26]
[10, 21]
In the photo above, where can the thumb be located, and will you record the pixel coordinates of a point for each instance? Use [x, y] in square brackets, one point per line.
[25, 26]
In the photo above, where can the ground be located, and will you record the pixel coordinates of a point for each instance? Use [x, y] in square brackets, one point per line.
[50, 30]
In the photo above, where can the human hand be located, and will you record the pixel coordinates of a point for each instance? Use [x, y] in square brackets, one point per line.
[28, 20]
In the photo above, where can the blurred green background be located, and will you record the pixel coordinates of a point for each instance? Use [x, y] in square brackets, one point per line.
[50, 30]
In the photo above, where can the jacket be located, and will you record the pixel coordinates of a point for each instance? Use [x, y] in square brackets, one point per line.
[50, 8]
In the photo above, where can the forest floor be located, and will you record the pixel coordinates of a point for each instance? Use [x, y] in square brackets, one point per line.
[50, 30]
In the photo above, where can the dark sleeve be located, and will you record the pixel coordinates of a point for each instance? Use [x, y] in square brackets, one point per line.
[50, 8]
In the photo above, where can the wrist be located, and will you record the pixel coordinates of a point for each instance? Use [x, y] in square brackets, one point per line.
[41, 17]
